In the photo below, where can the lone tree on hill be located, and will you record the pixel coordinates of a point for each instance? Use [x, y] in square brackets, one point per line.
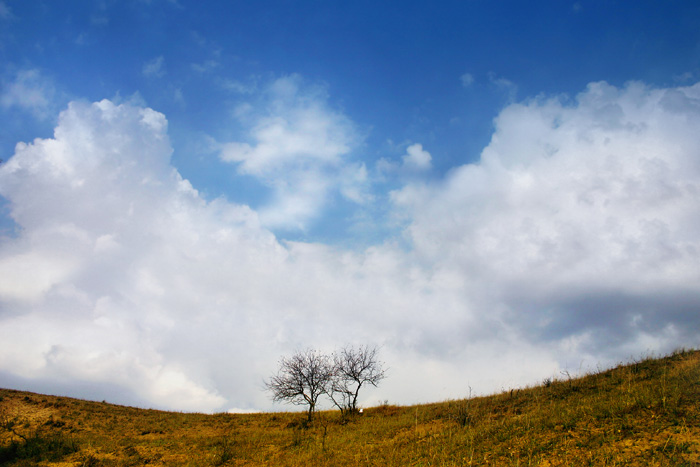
[353, 368]
[302, 379]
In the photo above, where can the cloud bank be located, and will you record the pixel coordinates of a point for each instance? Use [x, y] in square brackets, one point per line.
[573, 241]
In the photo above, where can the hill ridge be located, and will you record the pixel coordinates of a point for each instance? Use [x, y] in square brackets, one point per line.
[645, 412]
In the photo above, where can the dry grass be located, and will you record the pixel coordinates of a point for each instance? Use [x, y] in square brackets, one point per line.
[646, 413]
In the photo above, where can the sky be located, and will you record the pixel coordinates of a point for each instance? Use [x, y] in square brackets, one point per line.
[491, 192]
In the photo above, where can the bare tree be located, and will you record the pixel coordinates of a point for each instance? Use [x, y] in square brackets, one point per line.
[353, 368]
[302, 379]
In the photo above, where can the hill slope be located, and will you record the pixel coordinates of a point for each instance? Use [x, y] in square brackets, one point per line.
[643, 413]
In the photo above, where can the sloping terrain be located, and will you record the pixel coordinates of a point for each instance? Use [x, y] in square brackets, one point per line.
[643, 413]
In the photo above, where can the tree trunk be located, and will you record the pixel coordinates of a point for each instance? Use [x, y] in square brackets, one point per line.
[311, 413]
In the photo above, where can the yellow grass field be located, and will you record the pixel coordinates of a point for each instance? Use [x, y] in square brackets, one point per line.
[644, 413]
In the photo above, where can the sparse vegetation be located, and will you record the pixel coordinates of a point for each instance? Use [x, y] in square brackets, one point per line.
[643, 413]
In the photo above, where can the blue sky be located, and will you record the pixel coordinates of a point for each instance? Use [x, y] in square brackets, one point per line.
[494, 178]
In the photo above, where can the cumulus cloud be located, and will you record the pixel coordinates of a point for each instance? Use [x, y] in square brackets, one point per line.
[417, 158]
[581, 217]
[83, 284]
[298, 146]
[572, 242]
[414, 162]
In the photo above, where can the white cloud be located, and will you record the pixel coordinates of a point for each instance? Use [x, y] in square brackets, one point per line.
[573, 242]
[467, 79]
[299, 147]
[178, 96]
[186, 304]
[417, 158]
[237, 86]
[98, 205]
[294, 128]
[154, 68]
[353, 180]
[581, 219]
[414, 162]
[28, 276]
[28, 90]
[505, 85]
[684, 78]
[206, 66]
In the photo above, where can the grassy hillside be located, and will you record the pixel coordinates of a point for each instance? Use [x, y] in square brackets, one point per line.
[643, 413]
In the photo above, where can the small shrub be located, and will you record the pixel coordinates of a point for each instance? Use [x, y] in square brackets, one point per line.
[460, 412]
[55, 423]
[38, 448]
[384, 411]
[299, 437]
[302, 424]
[226, 451]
